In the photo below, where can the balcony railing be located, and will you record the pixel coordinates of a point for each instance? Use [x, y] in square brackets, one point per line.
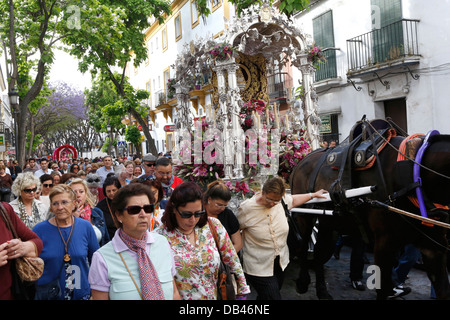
[278, 84]
[160, 98]
[395, 41]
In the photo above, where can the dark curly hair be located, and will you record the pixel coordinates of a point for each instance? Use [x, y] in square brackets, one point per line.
[184, 193]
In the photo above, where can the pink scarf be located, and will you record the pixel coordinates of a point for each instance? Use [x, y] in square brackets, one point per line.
[86, 212]
[150, 284]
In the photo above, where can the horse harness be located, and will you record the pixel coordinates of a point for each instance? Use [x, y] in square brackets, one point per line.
[364, 143]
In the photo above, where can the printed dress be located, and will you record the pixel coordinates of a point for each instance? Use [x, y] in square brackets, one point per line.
[197, 266]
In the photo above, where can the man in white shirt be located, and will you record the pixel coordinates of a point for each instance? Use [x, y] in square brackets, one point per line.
[44, 168]
[107, 168]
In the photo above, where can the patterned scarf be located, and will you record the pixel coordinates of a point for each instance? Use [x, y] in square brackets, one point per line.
[150, 284]
[86, 212]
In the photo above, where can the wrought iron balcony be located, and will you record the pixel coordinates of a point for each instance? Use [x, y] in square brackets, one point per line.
[279, 83]
[393, 42]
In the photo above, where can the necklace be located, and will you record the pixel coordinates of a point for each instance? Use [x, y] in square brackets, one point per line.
[67, 255]
[29, 220]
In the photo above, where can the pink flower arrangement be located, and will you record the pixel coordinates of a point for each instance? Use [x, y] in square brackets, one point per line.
[315, 56]
[257, 106]
[240, 189]
[203, 173]
[295, 149]
[221, 51]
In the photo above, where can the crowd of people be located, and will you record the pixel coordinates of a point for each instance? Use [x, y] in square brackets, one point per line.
[132, 230]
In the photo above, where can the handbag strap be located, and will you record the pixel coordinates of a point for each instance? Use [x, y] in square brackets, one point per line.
[216, 238]
[132, 278]
[8, 222]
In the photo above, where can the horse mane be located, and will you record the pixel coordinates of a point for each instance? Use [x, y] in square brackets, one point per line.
[440, 138]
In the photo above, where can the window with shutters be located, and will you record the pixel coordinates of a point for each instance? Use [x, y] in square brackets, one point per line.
[324, 38]
[387, 30]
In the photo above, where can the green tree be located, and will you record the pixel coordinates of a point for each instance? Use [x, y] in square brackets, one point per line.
[133, 135]
[110, 36]
[28, 34]
[288, 7]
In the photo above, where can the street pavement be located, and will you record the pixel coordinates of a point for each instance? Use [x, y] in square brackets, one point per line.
[338, 282]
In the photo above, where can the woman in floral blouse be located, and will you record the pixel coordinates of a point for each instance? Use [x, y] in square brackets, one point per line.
[196, 257]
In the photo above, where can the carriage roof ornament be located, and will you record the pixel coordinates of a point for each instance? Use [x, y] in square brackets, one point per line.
[416, 171]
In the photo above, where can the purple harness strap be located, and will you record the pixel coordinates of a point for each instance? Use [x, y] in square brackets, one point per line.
[416, 171]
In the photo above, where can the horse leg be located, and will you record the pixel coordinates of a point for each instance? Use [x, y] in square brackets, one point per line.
[435, 264]
[384, 257]
[306, 225]
[323, 251]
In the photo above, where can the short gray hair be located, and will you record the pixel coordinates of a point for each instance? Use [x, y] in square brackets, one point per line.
[23, 181]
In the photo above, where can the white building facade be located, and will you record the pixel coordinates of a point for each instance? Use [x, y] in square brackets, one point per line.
[385, 58]
[164, 42]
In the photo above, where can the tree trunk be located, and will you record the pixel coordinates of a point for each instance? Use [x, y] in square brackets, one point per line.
[146, 131]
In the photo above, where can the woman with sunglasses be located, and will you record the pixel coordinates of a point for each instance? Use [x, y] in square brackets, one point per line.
[136, 264]
[265, 229]
[29, 210]
[69, 243]
[185, 225]
[215, 199]
[47, 185]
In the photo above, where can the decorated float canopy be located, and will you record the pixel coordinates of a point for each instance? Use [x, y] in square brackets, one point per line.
[65, 152]
[240, 61]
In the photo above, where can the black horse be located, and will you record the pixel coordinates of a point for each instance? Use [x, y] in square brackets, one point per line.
[389, 232]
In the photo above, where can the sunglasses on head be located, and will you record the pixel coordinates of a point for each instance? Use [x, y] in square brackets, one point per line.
[145, 178]
[148, 208]
[187, 214]
[29, 190]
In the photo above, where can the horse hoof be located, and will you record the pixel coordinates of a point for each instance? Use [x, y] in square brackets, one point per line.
[322, 293]
[324, 296]
[302, 285]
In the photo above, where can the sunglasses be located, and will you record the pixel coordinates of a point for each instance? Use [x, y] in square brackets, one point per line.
[187, 214]
[148, 208]
[90, 180]
[149, 164]
[145, 178]
[47, 185]
[30, 190]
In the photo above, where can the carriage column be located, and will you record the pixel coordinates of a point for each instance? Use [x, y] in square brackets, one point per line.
[311, 118]
[227, 118]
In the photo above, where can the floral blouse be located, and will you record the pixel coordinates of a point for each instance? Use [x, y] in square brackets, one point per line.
[198, 266]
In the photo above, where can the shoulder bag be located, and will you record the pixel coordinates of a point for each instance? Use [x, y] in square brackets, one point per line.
[24, 270]
[225, 287]
[28, 268]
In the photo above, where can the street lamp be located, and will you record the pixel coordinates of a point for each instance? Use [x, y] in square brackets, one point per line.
[13, 97]
[108, 128]
[14, 102]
